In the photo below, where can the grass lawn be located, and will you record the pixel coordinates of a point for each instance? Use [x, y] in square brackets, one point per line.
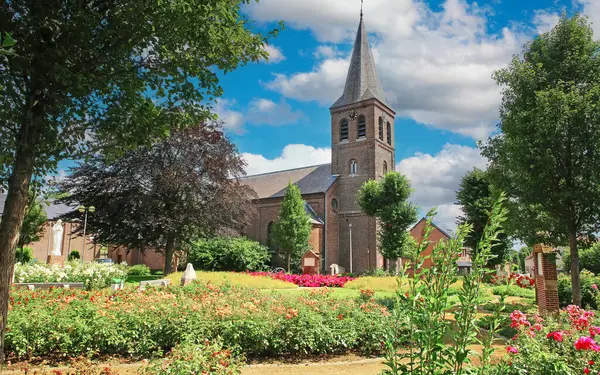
[136, 278]
[235, 278]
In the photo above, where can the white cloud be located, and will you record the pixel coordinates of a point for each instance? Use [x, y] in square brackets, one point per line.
[292, 156]
[233, 120]
[436, 178]
[436, 66]
[545, 20]
[591, 8]
[275, 54]
[266, 111]
[326, 51]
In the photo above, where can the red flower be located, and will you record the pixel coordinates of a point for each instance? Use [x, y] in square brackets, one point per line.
[586, 370]
[556, 336]
[511, 350]
[591, 362]
[586, 343]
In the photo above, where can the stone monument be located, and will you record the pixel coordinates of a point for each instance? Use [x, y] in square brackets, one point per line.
[56, 256]
[189, 275]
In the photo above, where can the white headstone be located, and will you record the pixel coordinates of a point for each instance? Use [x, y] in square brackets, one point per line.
[57, 237]
[335, 269]
[189, 273]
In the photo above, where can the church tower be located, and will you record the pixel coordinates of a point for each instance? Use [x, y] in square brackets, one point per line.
[362, 145]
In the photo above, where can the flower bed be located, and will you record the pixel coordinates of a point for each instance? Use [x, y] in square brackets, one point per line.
[136, 324]
[309, 281]
[523, 281]
[565, 345]
[92, 275]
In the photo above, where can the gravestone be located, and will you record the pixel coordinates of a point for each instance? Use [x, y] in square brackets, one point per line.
[546, 279]
[189, 275]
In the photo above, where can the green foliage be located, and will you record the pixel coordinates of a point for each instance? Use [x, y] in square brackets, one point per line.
[524, 252]
[476, 197]
[208, 358]
[74, 255]
[387, 199]
[419, 315]
[513, 291]
[589, 259]
[34, 221]
[588, 294]
[138, 270]
[24, 254]
[546, 156]
[228, 254]
[292, 229]
[256, 323]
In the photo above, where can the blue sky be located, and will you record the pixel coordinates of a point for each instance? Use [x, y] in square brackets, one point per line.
[435, 60]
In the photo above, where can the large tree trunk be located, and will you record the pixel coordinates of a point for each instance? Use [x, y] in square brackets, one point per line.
[169, 249]
[10, 229]
[575, 280]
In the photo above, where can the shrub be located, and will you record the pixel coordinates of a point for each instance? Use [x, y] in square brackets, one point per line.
[513, 291]
[138, 270]
[92, 275]
[228, 254]
[137, 324]
[24, 254]
[74, 255]
[565, 290]
[206, 358]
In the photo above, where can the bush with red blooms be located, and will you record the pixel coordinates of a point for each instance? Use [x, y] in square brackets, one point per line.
[565, 344]
[522, 281]
[309, 281]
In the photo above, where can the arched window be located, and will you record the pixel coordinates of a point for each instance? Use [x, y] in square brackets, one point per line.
[389, 133]
[385, 170]
[344, 130]
[334, 205]
[362, 127]
[270, 235]
[380, 128]
[353, 167]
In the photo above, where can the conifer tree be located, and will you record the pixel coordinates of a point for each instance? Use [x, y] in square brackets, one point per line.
[292, 229]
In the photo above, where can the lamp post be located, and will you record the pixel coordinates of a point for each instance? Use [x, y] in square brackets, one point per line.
[85, 210]
[350, 227]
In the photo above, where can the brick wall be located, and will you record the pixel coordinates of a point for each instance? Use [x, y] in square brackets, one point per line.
[150, 257]
[546, 284]
[70, 241]
[435, 236]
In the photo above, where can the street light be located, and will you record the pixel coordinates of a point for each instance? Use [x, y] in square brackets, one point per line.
[84, 209]
[350, 227]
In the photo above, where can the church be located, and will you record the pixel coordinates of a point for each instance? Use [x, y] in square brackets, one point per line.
[362, 149]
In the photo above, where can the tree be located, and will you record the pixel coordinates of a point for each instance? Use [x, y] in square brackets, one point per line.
[476, 198]
[524, 252]
[292, 229]
[589, 258]
[90, 75]
[387, 200]
[547, 155]
[33, 222]
[180, 188]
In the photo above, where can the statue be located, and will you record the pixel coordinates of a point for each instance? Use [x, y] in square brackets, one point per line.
[57, 238]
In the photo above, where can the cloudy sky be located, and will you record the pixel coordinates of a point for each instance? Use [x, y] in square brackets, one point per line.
[435, 60]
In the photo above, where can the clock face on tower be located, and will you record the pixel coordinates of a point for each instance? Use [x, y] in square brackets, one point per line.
[352, 114]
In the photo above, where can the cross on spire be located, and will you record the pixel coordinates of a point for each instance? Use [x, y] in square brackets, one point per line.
[361, 8]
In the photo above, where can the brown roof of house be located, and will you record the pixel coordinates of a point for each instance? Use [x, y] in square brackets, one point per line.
[310, 180]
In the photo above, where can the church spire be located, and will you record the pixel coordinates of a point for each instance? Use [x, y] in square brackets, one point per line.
[362, 82]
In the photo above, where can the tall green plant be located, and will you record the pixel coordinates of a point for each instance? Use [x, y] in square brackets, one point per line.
[421, 316]
[292, 229]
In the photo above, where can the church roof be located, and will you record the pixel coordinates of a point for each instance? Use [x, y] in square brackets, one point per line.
[53, 211]
[310, 180]
[362, 82]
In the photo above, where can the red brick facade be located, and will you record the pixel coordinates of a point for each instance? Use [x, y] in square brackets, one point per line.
[71, 241]
[546, 287]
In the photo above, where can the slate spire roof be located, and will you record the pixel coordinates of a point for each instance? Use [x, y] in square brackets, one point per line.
[362, 82]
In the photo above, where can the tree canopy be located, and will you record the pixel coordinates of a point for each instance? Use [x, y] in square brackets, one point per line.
[547, 155]
[387, 200]
[33, 223]
[476, 198]
[291, 231]
[165, 194]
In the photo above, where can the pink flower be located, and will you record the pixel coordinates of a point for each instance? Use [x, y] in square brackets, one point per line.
[518, 319]
[594, 286]
[586, 343]
[511, 350]
[594, 330]
[556, 336]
